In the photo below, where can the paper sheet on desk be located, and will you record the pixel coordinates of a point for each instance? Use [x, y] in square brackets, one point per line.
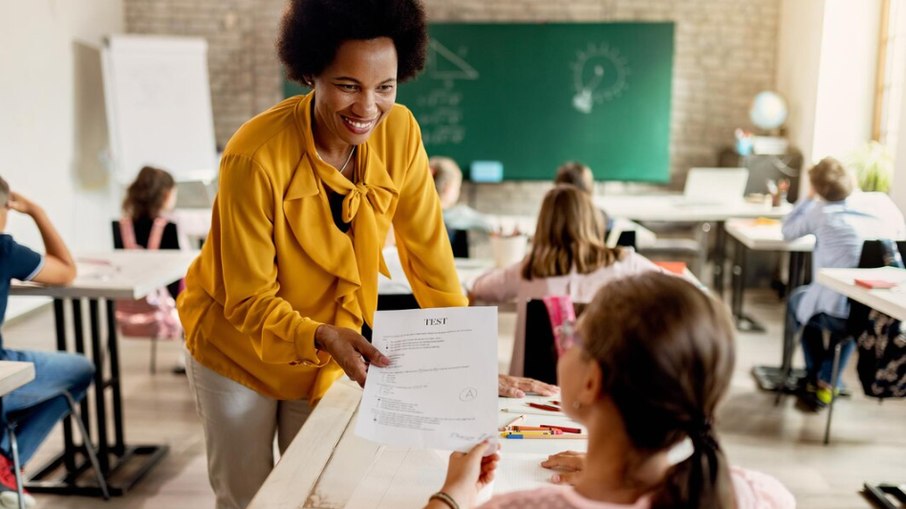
[440, 391]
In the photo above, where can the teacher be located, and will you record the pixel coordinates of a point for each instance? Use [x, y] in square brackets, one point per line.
[275, 303]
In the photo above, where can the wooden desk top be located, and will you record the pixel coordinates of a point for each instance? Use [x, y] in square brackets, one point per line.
[14, 375]
[119, 274]
[891, 302]
[328, 466]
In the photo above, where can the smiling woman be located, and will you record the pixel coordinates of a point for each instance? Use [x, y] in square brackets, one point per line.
[275, 303]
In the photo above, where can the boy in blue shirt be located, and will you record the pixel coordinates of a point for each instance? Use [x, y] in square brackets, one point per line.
[38, 405]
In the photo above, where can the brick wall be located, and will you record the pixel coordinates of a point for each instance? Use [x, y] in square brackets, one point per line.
[725, 53]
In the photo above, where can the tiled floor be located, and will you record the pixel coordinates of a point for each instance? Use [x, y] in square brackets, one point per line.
[868, 441]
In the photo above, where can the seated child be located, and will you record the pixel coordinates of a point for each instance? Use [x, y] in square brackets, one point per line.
[841, 221]
[38, 405]
[640, 386]
[568, 256]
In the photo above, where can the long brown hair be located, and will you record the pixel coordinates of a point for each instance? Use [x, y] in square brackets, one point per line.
[666, 354]
[146, 195]
[570, 233]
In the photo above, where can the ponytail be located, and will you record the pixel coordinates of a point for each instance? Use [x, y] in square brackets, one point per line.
[700, 481]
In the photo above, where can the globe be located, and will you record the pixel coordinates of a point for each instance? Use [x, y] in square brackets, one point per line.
[768, 110]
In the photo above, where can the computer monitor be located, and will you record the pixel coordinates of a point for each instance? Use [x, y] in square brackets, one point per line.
[194, 194]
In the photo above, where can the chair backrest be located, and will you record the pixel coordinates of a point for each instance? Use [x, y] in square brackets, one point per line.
[540, 349]
[459, 241]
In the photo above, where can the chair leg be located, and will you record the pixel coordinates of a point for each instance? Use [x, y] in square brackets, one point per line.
[88, 445]
[17, 468]
[838, 349]
[153, 355]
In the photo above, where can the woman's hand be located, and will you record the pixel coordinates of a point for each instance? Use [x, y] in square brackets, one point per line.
[468, 473]
[350, 349]
[516, 387]
[568, 464]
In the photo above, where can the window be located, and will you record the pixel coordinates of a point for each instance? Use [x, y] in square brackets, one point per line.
[891, 74]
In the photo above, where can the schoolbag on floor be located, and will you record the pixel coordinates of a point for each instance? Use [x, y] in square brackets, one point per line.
[882, 357]
[153, 316]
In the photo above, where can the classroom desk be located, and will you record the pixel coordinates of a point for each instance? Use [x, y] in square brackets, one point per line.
[675, 208]
[750, 235]
[891, 302]
[103, 278]
[468, 270]
[14, 374]
[328, 467]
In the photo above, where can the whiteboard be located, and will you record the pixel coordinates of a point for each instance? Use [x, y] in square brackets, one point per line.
[158, 101]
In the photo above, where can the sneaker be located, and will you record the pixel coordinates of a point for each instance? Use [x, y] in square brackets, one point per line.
[9, 497]
[824, 395]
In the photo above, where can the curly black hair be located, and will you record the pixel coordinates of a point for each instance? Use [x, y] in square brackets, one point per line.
[312, 31]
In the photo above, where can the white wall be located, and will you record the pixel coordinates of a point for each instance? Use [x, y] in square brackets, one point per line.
[846, 82]
[798, 58]
[52, 127]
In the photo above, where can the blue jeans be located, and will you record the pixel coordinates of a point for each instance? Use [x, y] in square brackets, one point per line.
[819, 361]
[38, 405]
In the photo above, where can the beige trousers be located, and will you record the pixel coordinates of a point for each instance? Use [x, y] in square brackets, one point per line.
[239, 430]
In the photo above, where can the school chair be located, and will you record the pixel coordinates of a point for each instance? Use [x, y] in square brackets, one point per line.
[835, 332]
[11, 422]
[540, 346]
[459, 241]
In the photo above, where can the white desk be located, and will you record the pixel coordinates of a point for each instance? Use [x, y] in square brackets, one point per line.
[753, 235]
[14, 374]
[327, 466]
[674, 208]
[891, 302]
[105, 276]
[468, 270]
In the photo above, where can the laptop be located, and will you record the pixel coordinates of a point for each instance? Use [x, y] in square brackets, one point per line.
[194, 194]
[708, 186]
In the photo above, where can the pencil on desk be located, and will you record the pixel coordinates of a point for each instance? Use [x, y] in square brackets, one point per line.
[515, 421]
[543, 407]
[565, 436]
[525, 411]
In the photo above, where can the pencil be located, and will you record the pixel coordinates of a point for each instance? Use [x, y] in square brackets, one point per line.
[562, 428]
[525, 411]
[565, 436]
[515, 421]
[543, 407]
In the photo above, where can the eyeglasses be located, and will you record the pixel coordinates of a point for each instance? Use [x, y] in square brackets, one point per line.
[566, 336]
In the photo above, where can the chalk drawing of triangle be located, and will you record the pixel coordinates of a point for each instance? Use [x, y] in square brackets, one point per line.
[443, 64]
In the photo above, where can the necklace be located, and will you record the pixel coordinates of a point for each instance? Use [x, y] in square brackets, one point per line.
[348, 158]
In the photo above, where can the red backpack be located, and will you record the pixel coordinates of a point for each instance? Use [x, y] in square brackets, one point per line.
[153, 316]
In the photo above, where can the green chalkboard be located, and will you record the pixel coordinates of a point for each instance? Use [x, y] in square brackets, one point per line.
[535, 95]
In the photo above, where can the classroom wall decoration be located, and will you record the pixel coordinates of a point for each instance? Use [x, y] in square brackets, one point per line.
[532, 96]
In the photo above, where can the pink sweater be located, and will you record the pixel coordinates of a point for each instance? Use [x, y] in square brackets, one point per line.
[507, 284]
[754, 490]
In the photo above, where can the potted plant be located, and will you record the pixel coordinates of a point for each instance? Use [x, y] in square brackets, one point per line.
[873, 165]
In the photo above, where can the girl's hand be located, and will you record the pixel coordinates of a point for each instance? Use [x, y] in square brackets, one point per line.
[567, 464]
[468, 473]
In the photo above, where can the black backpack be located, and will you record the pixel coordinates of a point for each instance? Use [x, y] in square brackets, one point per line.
[882, 357]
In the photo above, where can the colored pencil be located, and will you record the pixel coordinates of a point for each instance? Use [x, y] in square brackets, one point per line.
[562, 428]
[543, 407]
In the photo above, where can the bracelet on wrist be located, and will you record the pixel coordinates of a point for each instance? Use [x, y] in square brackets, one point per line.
[445, 498]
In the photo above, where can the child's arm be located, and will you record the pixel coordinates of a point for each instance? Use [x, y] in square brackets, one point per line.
[59, 267]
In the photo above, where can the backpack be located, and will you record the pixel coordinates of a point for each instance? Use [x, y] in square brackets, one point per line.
[153, 316]
[882, 357]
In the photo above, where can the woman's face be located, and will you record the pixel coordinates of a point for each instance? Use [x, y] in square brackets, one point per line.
[356, 91]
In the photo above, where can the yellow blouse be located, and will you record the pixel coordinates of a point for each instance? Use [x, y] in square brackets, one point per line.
[275, 266]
